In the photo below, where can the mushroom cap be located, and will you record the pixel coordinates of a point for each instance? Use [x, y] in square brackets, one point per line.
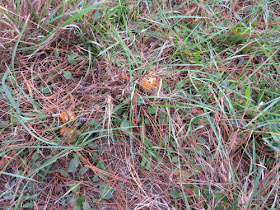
[148, 83]
[66, 116]
[70, 135]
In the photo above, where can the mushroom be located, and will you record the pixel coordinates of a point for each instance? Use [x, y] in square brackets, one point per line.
[66, 116]
[70, 135]
[151, 82]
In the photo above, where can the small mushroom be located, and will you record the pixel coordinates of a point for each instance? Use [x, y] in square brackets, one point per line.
[70, 135]
[66, 116]
[151, 82]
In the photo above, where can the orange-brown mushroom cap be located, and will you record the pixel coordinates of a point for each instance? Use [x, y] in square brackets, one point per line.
[70, 135]
[151, 82]
[65, 116]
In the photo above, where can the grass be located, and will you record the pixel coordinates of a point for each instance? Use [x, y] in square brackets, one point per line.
[208, 139]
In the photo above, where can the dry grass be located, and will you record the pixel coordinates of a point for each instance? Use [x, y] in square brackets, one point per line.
[210, 139]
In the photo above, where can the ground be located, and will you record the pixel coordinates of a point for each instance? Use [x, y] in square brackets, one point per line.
[167, 104]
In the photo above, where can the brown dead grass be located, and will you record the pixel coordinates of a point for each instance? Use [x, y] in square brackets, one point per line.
[93, 98]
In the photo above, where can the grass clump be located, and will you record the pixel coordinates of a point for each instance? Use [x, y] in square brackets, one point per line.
[208, 137]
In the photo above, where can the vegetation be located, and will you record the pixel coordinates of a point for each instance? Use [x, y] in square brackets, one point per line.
[207, 136]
